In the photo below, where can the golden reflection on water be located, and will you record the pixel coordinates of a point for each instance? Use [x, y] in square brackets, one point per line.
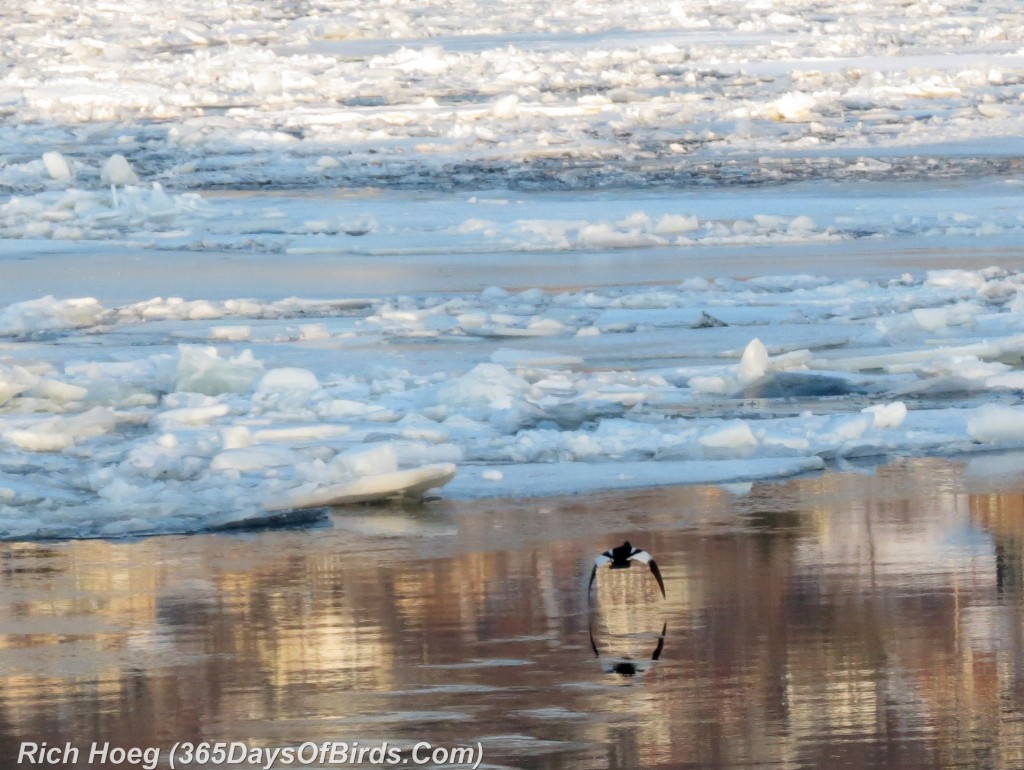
[843, 620]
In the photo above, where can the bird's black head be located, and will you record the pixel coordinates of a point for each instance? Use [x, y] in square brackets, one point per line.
[620, 555]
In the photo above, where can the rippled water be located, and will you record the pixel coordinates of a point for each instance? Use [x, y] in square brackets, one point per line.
[860, 619]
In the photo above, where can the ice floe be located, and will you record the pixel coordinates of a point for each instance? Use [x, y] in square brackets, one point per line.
[669, 92]
[124, 429]
[233, 146]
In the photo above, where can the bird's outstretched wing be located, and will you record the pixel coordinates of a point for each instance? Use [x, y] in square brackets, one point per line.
[599, 561]
[645, 558]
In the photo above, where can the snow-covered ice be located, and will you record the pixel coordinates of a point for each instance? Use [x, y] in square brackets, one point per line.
[462, 94]
[137, 418]
[263, 255]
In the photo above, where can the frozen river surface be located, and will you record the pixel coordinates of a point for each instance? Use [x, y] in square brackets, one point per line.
[257, 257]
[741, 281]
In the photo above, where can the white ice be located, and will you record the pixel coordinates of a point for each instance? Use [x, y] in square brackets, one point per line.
[147, 432]
[261, 256]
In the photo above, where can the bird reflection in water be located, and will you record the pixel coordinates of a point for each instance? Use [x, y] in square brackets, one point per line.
[626, 666]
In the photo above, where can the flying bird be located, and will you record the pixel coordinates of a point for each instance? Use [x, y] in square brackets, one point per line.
[623, 557]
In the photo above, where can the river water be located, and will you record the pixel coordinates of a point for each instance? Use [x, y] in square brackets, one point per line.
[862, 618]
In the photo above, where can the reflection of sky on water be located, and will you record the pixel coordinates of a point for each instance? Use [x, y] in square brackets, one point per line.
[842, 620]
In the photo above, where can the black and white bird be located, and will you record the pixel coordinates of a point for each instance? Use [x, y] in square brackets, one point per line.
[622, 557]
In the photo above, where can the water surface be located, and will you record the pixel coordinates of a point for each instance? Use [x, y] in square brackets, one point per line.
[860, 619]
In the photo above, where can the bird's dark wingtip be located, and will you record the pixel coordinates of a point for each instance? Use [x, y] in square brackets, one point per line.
[657, 576]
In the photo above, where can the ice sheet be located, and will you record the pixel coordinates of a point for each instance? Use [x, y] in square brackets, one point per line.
[258, 252]
[125, 429]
